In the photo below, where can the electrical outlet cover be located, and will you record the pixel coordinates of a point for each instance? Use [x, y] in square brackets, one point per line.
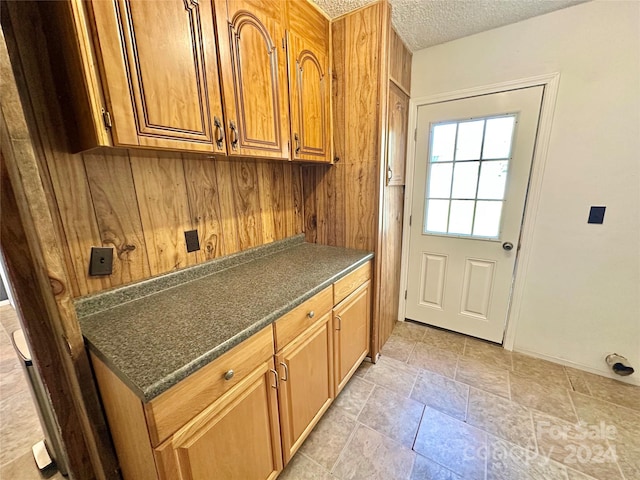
[192, 241]
[596, 215]
[101, 262]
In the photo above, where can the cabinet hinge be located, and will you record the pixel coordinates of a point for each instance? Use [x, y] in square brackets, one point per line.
[106, 118]
[410, 216]
[283, 43]
[405, 294]
[415, 135]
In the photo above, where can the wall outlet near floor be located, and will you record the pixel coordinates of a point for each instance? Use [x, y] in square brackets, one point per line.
[101, 262]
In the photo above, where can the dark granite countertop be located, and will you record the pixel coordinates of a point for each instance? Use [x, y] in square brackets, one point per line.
[156, 333]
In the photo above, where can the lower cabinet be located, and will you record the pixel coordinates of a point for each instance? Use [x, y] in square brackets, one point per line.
[238, 436]
[351, 328]
[245, 414]
[306, 383]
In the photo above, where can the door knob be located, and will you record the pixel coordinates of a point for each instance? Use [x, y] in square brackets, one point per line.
[507, 246]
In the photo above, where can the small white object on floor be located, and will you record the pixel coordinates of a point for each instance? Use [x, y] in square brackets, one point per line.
[41, 455]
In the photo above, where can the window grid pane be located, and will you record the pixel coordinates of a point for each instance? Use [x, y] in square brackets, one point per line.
[465, 194]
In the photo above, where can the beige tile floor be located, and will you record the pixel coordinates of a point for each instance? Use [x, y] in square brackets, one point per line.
[19, 424]
[436, 406]
[443, 406]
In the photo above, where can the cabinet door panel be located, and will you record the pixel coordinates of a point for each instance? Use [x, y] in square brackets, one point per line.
[398, 112]
[253, 61]
[160, 71]
[309, 88]
[351, 321]
[236, 437]
[306, 383]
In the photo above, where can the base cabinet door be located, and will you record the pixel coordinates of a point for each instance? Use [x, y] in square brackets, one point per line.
[351, 333]
[305, 368]
[236, 437]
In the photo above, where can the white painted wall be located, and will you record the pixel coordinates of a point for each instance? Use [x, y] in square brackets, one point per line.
[581, 295]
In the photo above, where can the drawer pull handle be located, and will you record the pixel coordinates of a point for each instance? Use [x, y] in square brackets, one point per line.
[275, 377]
[339, 326]
[229, 375]
[311, 314]
[286, 372]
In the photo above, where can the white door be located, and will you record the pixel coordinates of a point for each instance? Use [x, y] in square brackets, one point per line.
[472, 164]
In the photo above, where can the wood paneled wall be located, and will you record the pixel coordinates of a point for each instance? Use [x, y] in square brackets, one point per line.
[141, 202]
[400, 58]
[350, 204]
[341, 202]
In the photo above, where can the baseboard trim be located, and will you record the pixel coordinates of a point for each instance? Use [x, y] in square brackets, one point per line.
[603, 373]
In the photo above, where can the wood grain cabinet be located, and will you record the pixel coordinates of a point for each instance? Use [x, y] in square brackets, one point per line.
[398, 118]
[305, 368]
[309, 82]
[351, 324]
[245, 414]
[160, 73]
[271, 110]
[232, 77]
[236, 437]
[222, 419]
[253, 61]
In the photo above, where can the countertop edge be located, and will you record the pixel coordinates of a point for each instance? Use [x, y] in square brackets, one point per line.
[154, 390]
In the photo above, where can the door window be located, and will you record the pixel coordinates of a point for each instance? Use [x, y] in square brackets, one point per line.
[467, 173]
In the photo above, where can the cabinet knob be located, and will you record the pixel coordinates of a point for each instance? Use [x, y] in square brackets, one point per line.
[229, 375]
[311, 314]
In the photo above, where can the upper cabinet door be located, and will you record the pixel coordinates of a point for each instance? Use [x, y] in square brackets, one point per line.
[309, 83]
[160, 73]
[398, 116]
[254, 77]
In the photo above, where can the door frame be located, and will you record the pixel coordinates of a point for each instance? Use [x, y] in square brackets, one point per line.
[551, 83]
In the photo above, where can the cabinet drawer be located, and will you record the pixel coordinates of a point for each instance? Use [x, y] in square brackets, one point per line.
[292, 324]
[175, 407]
[343, 287]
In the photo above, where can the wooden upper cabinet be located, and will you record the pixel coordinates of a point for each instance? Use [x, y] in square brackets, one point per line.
[160, 73]
[254, 77]
[309, 83]
[398, 117]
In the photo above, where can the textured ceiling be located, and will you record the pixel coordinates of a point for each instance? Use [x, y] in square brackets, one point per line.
[424, 23]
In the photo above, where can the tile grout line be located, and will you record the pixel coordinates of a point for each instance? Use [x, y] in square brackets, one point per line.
[415, 437]
[308, 458]
[610, 403]
[535, 432]
[364, 404]
[617, 462]
[573, 407]
[344, 448]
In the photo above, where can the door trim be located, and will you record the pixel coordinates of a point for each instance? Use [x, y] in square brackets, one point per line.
[551, 84]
